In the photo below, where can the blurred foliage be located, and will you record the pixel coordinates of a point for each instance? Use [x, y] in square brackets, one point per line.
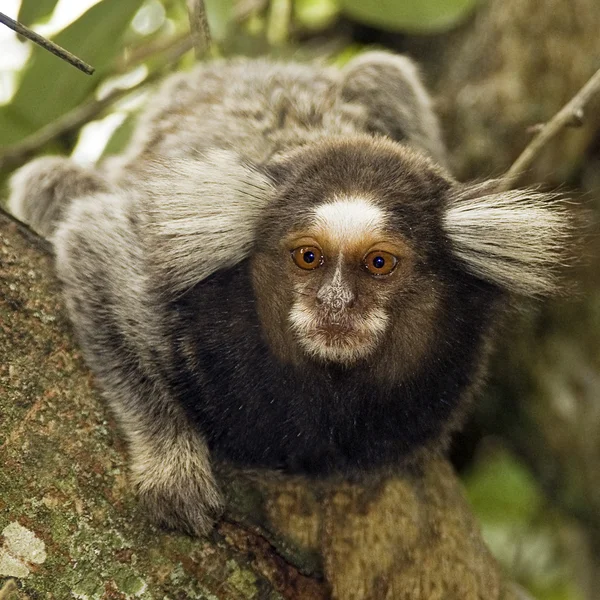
[96, 36]
[125, 40]
[220, 16]
[418, 16]
[34, 11]
[523, 531]
[48, 88]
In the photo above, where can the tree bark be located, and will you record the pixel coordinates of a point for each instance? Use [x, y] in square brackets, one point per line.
[70, 527]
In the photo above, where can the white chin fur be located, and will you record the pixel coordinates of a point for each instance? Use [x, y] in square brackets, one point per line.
[367, 329]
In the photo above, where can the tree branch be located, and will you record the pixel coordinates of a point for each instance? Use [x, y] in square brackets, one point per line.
[199, 27]
[34, 238]
[46, 44]
[571, 113]
[135, 56]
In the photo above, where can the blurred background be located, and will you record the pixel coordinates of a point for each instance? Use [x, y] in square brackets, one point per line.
[530, 456]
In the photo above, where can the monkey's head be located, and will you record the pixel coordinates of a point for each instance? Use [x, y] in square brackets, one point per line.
[372, 252]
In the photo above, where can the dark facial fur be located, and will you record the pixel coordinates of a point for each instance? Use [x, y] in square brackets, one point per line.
[207, 338]
[349, 197]
[324, 413]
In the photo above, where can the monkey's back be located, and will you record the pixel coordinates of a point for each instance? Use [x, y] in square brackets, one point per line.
[258, 109]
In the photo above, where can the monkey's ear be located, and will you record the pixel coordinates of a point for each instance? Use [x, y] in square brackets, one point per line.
[518, 240]
[201, 215]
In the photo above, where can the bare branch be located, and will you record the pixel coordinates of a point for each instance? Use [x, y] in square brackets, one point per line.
[199, 26]
[133, 57]
[571, 114]
[46, 44]
[17, 154]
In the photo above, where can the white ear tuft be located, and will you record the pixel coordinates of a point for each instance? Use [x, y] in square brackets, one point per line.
[202, 214]
[517, 239]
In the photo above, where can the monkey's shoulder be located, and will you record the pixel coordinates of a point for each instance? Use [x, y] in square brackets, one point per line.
[261, 108]
[256, 107]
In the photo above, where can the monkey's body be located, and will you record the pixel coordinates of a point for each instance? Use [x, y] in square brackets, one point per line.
[179, 275]
[256, 410]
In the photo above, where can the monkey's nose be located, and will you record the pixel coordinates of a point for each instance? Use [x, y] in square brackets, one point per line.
[335, 298]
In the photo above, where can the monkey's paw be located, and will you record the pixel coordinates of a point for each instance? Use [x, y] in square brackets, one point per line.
[189, 506]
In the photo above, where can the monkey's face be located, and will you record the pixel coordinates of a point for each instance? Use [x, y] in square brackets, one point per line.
[344, 267]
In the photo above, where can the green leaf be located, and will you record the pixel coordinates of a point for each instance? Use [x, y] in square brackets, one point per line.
[411, 16]
[49, 86]
[500, 489]
[316, 14]
[34, 11]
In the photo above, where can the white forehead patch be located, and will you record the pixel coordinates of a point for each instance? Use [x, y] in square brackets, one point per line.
[347, 221]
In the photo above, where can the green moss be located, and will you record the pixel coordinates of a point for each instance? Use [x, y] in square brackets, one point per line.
[129, 583]
[242, 580]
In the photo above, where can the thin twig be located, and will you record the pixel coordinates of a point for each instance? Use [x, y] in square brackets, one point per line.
[199, 27]
[145, 52]
[570, 114]
[18, 153]
[244, 9]
[46, 44]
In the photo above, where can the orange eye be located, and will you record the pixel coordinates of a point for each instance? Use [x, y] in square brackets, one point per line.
[307, 257]
[379, 262]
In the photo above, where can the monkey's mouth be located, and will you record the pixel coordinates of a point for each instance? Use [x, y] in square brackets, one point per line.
[337, 342]
[340, 338]
[336, 329]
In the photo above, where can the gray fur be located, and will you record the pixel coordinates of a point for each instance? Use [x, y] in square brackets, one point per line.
[98, 259]
[42, 189]
[273, 108]
[390, 87]
[182, 203]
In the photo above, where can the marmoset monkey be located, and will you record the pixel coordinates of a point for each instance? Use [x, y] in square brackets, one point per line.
[281, 273]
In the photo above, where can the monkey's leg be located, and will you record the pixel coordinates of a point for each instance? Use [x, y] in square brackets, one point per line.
[390, 89]
[101, 263]
[170, 464]
[42, 190]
